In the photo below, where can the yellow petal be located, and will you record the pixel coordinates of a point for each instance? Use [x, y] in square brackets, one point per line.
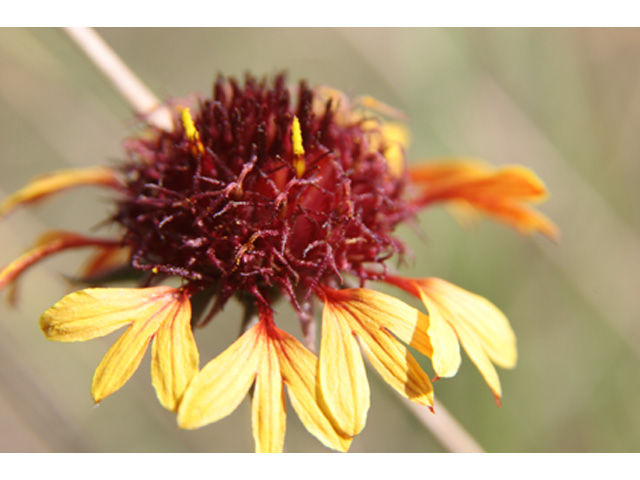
[370, 315]
[407, 323]
[223, 383]
[446, 348]
[299, 366]
[342, 378]
[482, 328]
[268, 415]
[395, 364]
[95, 312]
[46, 185]
[124, 356]
[396, 140]
[479, 357]
[174, 356]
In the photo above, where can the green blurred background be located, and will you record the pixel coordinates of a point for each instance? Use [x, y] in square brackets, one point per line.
[565, 102]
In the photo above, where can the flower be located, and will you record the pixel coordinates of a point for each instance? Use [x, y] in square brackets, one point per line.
[258, 197]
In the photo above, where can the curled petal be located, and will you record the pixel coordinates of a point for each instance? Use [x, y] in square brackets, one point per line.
[174, 356]
[48, 244]
[222, 384]
[299, 366]
[268, 416]
[481, 327]
[95, 312]
[46, 185]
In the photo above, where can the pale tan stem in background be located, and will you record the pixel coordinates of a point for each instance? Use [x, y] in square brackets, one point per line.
[143, 101]
[451, 435]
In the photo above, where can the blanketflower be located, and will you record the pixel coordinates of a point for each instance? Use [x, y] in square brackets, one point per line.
[256, 197]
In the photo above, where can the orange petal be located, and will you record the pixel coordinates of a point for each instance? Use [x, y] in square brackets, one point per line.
[105, 260]
[174, 356]
[525, 220]
[511, 183]
[299, 366]
[268, 416]
[499, 193]
[46, 185]
[223, 383]
[48, 244]
[442, 172]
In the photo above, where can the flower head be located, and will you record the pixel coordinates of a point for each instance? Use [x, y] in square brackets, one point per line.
[264, 192]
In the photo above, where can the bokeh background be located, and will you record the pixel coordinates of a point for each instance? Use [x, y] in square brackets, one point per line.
[565, 102]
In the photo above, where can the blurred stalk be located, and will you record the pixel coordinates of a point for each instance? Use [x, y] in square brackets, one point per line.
[444, 427]
[141, 99]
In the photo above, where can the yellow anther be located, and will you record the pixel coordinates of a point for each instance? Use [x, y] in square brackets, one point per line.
[190, 129]
[189, 126]
[296, 138]
[298, 149]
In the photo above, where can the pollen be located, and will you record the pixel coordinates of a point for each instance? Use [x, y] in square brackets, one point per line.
[190, 129]
[298, 148]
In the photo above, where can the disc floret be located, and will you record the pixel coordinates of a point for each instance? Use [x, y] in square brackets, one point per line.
[254, 192]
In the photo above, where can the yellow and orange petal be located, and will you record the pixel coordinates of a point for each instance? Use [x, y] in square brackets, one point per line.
[457, 316]
[354, 318]
[501, 193]
[160, 312]
[45, 185]
[270, 358]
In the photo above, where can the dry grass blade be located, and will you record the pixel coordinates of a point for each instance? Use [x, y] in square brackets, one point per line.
[143, 101]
